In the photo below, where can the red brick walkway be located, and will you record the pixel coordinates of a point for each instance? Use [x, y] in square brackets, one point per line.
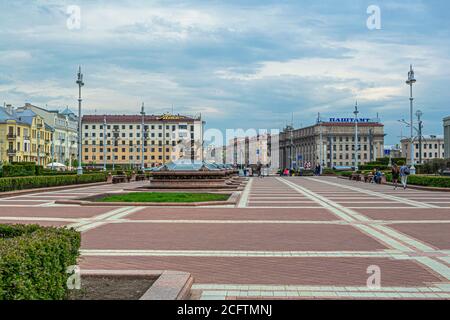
[292, 237]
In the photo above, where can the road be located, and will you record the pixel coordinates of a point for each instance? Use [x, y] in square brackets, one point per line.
[293, 238]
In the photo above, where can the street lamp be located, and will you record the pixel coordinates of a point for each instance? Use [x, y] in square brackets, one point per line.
[116, 133]
[356, 112]
[411, 80]
[80, 84]
[104, 143]
[419, 115]
[142, 136]
[319, 122]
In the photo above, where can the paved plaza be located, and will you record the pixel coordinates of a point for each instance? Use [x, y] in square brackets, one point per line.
[295, 237]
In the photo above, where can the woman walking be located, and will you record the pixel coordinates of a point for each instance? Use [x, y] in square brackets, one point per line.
[395, 175]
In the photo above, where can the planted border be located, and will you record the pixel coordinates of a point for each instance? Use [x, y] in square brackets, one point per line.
[22, 183]
[34, 260]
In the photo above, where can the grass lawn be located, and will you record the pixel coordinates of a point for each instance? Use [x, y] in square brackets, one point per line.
[165, 197]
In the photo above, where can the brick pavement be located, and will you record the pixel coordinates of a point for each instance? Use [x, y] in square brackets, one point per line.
[288, 238]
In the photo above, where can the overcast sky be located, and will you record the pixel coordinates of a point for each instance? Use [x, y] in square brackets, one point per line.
[245, 64]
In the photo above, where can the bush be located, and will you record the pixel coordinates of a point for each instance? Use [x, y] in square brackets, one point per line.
[344, 173]
[19, 170]
[426, 181]
[33, 261]
[21, 183]
[385, 160]
[371, 167]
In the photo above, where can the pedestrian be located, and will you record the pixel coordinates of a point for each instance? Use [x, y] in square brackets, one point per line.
[395, 175]
[378, 176]
[404, 173]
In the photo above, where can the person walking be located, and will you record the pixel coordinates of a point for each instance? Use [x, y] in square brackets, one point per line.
[404, 173]
[395, 175]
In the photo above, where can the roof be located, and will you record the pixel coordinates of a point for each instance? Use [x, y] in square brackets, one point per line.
[429, 137]
[352, 124]
[67, 112]
[5, 116]
[136, 118]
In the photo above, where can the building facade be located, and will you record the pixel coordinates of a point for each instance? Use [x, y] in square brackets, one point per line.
[121, 139]
[24, 137]
[431, 147]
[447, 138]
[333, 142]
[65, 127]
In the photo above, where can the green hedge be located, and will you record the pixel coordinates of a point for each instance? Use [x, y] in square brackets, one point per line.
[371, 167]
[344, 173]
[21, 183]
[19, 170]
[426, 181]
[34, 260]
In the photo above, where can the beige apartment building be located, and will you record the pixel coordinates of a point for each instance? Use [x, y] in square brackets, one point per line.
[432, 147]
[24, 137]
[122, 139]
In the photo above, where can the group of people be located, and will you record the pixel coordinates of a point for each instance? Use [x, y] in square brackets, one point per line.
[401, 172]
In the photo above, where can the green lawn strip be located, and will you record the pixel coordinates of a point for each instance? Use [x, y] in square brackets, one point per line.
[165, 197]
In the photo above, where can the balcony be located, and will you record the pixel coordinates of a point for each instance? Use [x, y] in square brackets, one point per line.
[11, 152]
[11, 136]
[27, 138]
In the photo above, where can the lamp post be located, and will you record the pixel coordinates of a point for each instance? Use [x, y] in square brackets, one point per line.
[104, 143]
[411, 80]
[356, 112]
[419, 115]
[80, 84]
[319, 122]
[116, 133]
[142, 136]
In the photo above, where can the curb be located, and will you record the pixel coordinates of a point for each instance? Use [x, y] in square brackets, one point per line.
[67, 187]
[169, 285]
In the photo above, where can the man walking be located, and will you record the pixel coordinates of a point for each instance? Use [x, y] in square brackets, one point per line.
[404, 173]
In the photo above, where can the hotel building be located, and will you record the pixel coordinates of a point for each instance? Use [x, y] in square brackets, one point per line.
[121, 139]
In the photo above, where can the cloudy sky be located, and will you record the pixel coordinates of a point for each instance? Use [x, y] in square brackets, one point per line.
[245, 64]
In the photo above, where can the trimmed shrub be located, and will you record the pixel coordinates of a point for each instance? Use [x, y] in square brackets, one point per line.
[21, 183]
[34, 260]
[426, 181]
[371, 167]
[344, 173]
[19, 170]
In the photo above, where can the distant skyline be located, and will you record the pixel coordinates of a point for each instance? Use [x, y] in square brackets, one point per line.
[241, 64]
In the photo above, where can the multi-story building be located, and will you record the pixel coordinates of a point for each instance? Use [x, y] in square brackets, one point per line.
[65, 126]
[24, 137]
[431, 147]
[447, 138]
[121, 138]
[251, 151]
[332, 141]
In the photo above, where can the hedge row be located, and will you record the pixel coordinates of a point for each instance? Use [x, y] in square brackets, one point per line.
[426, 181]
[373, 166]
[34, 260]
[22, 170]
[21, 183]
